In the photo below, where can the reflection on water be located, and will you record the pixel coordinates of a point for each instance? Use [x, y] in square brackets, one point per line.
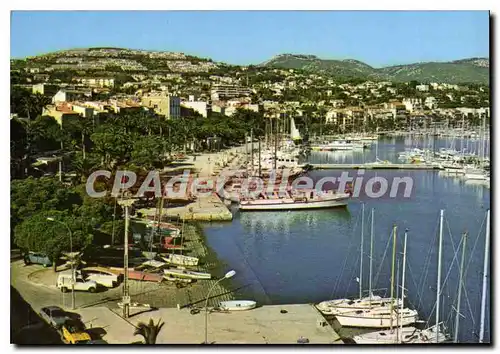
[282, 222]
[389, 148]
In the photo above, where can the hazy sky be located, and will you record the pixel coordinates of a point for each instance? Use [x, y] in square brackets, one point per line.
[250, 37]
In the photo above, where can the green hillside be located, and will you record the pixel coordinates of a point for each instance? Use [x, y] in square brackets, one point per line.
[474, 70]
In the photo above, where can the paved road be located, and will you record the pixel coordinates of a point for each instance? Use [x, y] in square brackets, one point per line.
[42, 290]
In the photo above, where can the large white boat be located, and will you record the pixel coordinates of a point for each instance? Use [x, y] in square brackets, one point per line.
[381, 317]
[300, 199]
[183, 273]
[405, 335]
[336, 307]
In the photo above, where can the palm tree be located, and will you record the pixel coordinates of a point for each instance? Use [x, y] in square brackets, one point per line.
[86, 127]
[149, 331]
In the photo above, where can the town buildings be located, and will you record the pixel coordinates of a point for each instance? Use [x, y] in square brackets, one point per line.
[163, 104]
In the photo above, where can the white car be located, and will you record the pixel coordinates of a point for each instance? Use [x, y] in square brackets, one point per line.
[64, 282]
[101, 276]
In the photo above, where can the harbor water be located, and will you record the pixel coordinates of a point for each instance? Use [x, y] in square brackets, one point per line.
[314, 255]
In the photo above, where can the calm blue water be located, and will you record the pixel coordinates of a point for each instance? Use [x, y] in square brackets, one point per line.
[311, 256]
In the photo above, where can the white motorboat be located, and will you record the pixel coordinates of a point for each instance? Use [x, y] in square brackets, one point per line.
[184, 273]
[237, 305]
[377, 318]
[409, 335]
[302, 199]
[180, 259]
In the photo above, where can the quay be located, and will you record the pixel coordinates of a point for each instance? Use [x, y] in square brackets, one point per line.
[268, 324]
[373, 166]
[205, 208]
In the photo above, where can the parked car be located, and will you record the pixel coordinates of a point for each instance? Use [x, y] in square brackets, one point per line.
[37, 258]
[64, 282]
[101, 276]
[54, 315]
[73, 332]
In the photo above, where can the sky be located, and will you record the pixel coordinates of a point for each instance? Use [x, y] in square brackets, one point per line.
[378, 38]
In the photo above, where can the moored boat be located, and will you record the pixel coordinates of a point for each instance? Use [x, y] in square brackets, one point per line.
[405, 335]
[301, 199]
[336, 307]
[377, 318]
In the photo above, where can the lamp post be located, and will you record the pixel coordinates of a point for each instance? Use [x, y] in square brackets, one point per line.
[71, 261]
[228, 275]
[126, 204]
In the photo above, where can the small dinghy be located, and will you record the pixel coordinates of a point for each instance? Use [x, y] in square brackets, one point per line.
[237, 305]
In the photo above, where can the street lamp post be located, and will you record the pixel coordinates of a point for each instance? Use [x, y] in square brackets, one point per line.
[71, 261]
[228, 275]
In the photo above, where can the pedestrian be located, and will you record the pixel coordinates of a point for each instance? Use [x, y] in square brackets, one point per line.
[194, 158]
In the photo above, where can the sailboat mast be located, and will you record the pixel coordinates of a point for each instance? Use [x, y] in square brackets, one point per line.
[438, 287]
[460, 284]
[371, 260]
[251, 138]
[485, 277]
[394, 235]
[260, 166]
[483, 152]
[361, 251]
[246, 151]
[403, 288]
[276, 147]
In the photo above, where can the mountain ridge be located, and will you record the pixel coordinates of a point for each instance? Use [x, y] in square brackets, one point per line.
[466, 70]
[474, 70]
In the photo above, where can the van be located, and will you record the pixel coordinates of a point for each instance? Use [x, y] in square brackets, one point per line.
[101, 276]
[64, 282]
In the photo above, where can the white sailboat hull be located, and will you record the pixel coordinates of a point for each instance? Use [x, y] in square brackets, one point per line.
[336, 307]
[375, 319]
[409, 335]
[476, 176]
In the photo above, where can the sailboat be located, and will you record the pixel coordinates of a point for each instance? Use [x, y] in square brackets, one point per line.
[341, 306]
[485, 277]
[294, 132]
[380, 317]
[404, 335]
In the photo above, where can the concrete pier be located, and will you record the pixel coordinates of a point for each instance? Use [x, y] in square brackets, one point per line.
[205, 208]
[273, 324]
